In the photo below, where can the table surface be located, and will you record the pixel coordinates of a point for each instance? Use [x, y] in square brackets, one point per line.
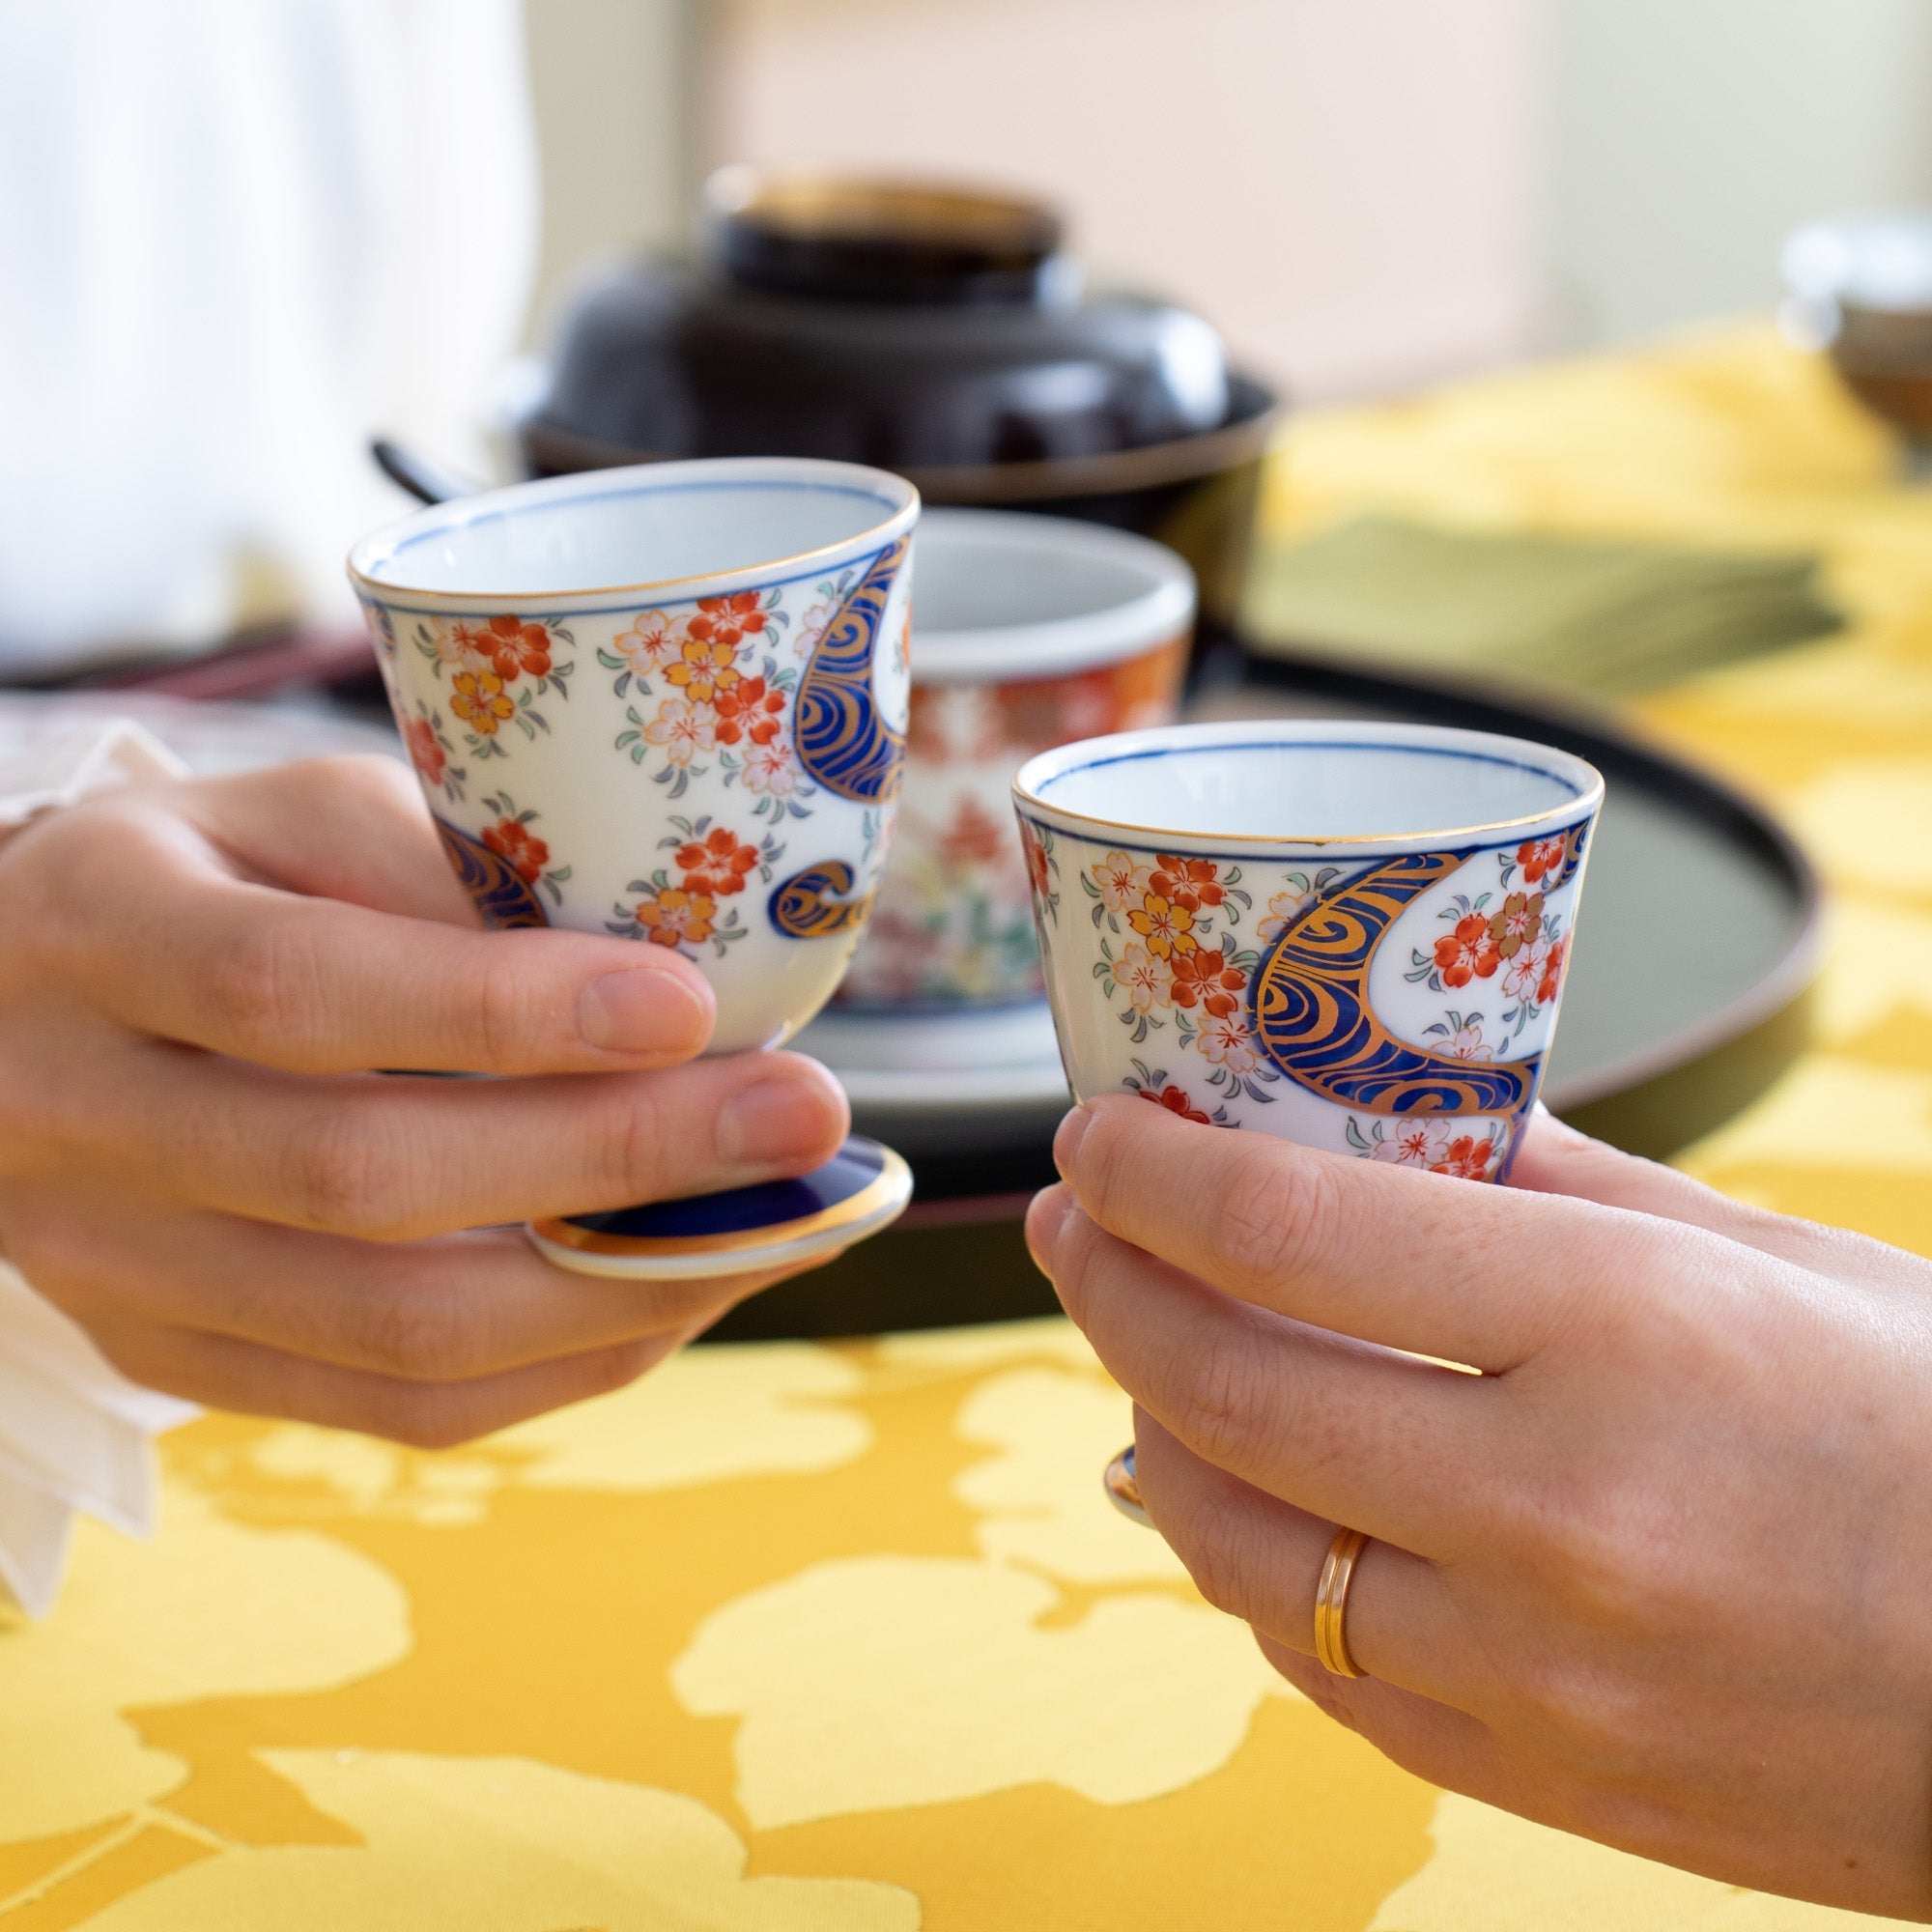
[796, 1636]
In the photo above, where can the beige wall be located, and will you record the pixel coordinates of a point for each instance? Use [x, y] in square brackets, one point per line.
[613, 87]
[1687, 136]
[1362, 193]
[1346, 186]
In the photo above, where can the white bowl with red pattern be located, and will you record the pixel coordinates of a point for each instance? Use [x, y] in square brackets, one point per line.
[1027, 631]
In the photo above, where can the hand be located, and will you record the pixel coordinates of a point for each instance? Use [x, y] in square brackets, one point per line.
[196, 1166]
[1660, 1573]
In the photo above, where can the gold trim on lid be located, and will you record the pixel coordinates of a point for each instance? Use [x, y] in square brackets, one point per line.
[813, 207]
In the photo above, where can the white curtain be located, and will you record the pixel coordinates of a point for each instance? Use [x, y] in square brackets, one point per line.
[236, 236]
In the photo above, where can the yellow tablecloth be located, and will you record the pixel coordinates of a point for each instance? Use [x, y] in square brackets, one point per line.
[793, 1636]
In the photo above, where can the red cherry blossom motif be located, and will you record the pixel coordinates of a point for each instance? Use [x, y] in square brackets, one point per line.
[1036, 861]
[1175, 1102]
[425, 753]
[1208, 977]
[1467, 951]
[1538, 856]
[1466, 1157]
[975, 834]
[512, 647]
[511, 841]
[727, 621]
[749, 709]
[718, 864]
[1552, 971]
[1186, 882]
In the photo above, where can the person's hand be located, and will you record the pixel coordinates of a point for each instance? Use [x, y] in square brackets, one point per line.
[1660, 1573]
[197, 1166]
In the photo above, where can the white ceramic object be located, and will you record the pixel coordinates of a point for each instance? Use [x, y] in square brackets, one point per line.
[669, 703]
[1352, 935]
[1028, 631]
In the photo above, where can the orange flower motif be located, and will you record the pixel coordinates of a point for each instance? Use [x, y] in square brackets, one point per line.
[425, 753]
[1167, 929]
[675, 917]
[727, 621]
[716, 864]
[516, 648]
[703, 668]
[975, 836]
[1467, 951]
[511, 841]
[1207, 978]
[1552, 973]
[1539, 856]
[1466, 1157]
[478, 697]
[1187, 882]
[1039, 875]
[1175, 1102]
[748, 708]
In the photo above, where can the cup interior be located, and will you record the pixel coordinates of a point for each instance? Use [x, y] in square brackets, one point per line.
[639, 528]
[999, 593]
[1308, 783]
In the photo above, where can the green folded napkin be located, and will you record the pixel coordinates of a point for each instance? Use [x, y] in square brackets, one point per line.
[1554, 611]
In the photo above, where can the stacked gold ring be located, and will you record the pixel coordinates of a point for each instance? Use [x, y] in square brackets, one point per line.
[1331, 1605]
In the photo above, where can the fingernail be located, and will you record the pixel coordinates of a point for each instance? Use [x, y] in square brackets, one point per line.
[1066, 1141]
[774, 1122]
[644, 1011]
[1043, 1222]
[1124, 1490]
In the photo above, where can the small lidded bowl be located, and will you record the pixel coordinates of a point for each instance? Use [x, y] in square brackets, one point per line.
[1028, 632]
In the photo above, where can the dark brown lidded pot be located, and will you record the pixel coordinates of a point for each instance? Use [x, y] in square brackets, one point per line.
[939, 331]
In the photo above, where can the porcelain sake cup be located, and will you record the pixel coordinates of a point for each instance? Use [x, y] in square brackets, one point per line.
[1028, 632]
[669, 703]
[1351, 935]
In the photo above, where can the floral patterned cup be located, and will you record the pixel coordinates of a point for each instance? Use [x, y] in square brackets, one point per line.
[1352, 935]
[1028, 632]
[669, 703]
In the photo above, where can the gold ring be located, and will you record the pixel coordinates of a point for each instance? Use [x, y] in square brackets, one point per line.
[1331, 1605]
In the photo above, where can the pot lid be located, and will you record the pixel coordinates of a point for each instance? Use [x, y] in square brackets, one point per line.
[904, 325]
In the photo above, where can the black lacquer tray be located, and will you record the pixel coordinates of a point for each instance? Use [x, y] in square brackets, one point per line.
[1688, 995]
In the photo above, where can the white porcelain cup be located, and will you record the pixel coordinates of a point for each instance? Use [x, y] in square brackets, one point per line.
[1352, 935]
[1027, 631]
[666, 703]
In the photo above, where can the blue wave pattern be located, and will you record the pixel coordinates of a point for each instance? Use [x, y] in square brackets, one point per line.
[844, 743]
[802, 908]
[1309, 1004]
[499, 892]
